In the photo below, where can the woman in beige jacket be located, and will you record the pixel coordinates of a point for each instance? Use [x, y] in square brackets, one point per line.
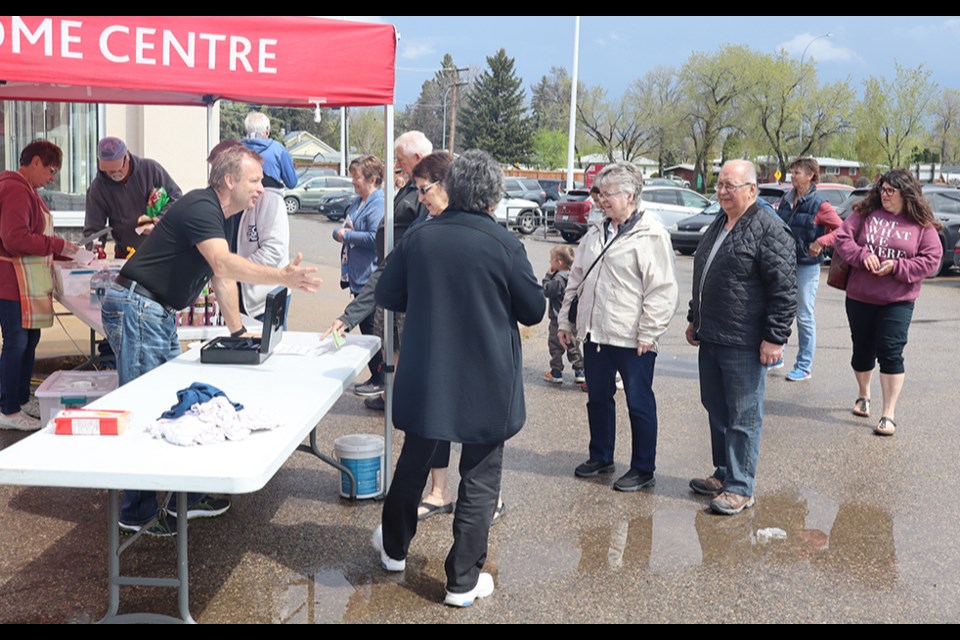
[626, 286]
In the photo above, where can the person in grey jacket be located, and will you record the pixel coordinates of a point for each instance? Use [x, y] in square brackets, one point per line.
[744, 301]
[464, 282]
[121, 193]
[627, 286]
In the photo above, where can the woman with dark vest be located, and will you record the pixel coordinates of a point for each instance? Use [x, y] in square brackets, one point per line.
[813, 222]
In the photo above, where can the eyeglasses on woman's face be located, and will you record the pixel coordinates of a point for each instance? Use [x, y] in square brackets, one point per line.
[888, 192]
[425, 189]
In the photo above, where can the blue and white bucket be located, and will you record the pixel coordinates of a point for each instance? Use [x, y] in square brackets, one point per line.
[362, 453]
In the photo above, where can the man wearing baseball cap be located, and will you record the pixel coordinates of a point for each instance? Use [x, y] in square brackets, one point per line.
[127, 194]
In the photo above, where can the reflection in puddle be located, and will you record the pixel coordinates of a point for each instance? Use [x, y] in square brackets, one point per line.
[849, 540]
[317, 599]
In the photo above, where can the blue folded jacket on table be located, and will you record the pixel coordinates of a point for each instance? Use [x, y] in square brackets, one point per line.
[196, 393]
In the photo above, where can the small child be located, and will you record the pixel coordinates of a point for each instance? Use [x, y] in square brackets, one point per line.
[554, 286]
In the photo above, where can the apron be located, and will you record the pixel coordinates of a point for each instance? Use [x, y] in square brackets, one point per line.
[35, 280]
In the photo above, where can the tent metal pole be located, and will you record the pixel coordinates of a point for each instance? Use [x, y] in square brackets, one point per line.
[389, 187]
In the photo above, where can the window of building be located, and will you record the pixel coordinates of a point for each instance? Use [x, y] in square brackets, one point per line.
[72, 127]
[832, 171]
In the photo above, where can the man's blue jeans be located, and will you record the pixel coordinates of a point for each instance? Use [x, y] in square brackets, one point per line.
[601, 364]
[732, 384]
[143, 335]
[17, 357]
[808, 280]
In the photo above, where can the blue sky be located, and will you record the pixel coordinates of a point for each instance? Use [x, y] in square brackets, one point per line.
[615, 50]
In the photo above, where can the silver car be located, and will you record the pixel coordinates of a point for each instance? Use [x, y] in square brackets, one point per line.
[308, 194]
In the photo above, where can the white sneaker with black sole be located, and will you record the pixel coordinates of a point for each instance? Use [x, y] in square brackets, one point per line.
[206, 507]
[386, 561]
[483, 589]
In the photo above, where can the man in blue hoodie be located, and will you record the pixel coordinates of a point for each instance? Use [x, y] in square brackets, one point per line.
[278, 169]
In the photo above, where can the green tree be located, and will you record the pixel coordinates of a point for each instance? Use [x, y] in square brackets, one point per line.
[945, 133]
[711, 85]
[892, 118]
[549, 148]
[785, 97]
[447, 89]
[282, 120]
[615, 126]
[656, 98]
[550, 100]
[494, 117]
[365, 127]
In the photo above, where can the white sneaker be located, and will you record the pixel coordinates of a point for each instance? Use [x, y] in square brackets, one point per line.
[386, 561]
[32, 408]
[19, 421]
[483, 589]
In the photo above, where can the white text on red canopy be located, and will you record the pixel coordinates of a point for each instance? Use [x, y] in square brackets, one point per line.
[124, 44]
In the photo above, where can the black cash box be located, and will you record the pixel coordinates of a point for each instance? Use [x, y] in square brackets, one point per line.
[227, 350]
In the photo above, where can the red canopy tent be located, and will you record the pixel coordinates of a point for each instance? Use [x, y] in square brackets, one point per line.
[289, 61]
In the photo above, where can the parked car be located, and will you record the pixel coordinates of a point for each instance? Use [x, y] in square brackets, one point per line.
[833, 192]
[525, 188]
[685, 236]
[305, 173]
[571, 214]
[956, 256]
[334, 205]
[552, 187]
[672, 204]
[307, 194]
[669, 204]
[520, 214]
[945, 202]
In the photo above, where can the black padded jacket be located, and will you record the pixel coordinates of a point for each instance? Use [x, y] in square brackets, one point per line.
[750, 291]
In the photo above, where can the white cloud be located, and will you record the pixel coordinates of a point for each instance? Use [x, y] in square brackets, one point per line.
[414, 50]
[821, 48]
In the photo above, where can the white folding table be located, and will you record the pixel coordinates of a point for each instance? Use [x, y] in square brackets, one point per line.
[89, 314]
[297, 389]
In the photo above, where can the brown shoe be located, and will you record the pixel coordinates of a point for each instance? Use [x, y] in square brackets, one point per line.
[731, 503]
[706, 486]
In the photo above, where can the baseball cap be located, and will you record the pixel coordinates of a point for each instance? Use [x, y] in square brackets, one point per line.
[111, 149]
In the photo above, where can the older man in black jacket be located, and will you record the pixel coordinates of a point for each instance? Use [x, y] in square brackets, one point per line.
[464, 282]
[744, 301]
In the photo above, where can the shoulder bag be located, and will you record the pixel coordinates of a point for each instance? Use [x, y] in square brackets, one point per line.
[839, 271]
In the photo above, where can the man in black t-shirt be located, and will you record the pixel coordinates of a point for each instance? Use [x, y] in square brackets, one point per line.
[187, 248]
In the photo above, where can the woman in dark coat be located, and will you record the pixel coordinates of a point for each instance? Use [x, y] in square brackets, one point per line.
[464, 282]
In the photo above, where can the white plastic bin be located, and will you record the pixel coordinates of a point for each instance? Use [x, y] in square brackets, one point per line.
[72, 390]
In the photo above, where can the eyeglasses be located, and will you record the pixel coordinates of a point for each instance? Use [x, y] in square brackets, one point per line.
[888, 191]
[53, 171]
[425, 188]
[607, 196]
[723, 186]
[115, 172]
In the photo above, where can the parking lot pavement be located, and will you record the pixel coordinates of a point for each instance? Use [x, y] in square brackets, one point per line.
[870, 522]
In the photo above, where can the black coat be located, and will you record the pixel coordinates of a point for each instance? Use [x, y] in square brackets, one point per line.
[750, 293]
[464, 282]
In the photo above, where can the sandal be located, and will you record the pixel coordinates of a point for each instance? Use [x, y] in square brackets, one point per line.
[885, 427]
[862, 407]
[433, 510]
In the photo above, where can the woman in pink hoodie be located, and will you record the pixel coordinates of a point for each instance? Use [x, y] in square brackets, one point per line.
[891, 243]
